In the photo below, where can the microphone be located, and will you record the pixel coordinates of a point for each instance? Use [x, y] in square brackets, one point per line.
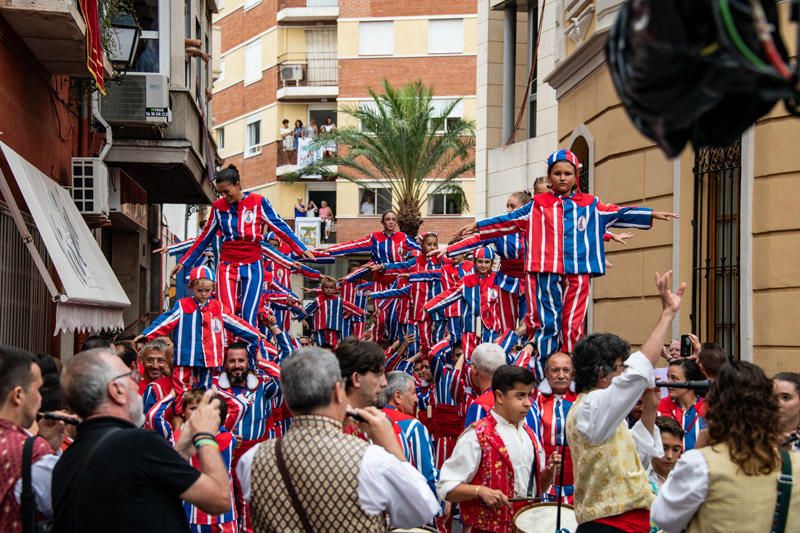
[697, 386]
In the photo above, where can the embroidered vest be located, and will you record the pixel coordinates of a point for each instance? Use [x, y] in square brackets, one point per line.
[609, 477]
[324, 464]
[736, 502]
[496, 472]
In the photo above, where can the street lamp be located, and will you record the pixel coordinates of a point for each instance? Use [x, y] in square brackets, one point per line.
[125, 34]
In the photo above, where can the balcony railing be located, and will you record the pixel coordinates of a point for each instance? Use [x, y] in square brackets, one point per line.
[285, 4]
[316, 69]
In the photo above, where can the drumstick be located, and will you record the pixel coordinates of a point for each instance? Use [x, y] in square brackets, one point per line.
[524, 499]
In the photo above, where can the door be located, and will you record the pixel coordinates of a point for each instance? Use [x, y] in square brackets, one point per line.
[322, 69]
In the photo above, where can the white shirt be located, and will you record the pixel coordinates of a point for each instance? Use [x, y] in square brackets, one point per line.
[601, 412]
[385, 484]
[41, 480]
[682, 494]
[367, 208]
[463, 464]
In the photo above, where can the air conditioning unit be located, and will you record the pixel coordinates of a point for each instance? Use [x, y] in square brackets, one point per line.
[141, 98]
[291, 73]
[90, 185]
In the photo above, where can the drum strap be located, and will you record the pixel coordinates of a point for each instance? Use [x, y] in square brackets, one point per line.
[784, 493]
[534, 468]
[287, 479]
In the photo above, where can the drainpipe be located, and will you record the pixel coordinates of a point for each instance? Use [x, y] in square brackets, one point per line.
[99, 118]
[509, 68]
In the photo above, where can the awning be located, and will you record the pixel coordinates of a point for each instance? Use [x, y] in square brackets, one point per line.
[91, 297]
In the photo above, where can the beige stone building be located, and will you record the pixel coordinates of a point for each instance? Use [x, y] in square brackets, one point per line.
[737, 243]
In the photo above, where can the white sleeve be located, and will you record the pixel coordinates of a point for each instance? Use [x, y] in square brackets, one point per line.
[243, 471]
[648, 445]
[387, 484]
[462, 465]
[41, 480]
[602, 411]
[682, 494]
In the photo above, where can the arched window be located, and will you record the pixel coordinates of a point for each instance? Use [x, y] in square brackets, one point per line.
[581, 149]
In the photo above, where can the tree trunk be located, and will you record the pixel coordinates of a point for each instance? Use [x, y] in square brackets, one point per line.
[408, 218]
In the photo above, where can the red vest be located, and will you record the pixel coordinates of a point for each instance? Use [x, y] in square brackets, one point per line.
[496, 472]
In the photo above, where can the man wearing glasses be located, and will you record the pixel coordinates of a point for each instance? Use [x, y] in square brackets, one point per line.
[117, 476]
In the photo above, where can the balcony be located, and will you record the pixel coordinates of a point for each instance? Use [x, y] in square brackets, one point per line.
[307, 10]
[287, 161]
[54, 30]
[308, 76]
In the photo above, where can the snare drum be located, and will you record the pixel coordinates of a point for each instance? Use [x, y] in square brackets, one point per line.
[541, 518]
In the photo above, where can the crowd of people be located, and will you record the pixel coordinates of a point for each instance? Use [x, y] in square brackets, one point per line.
[440, 385]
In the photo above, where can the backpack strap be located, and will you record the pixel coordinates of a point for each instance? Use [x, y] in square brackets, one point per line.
[28, 499]
[290, 488]
[785, 481]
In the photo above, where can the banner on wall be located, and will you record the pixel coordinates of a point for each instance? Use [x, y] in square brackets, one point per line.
[307, 230]
[307, 156]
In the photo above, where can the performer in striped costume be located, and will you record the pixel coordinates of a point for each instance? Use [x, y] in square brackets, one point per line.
[554, 399]
[479, 294]
[454, 270]
[400, 406]
[564, 232]
[510, 275]
[387, 246]
[353, 291]
[198, 323]
[329, 312]
[684, 405]
[445, 422]
[239, 218]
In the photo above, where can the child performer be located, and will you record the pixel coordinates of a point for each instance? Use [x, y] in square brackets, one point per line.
[387, 246]
[200, 342]
[479, 294]
[453, 271]
[564, 231]
[498, 458]
[425, 284]
[329, 310]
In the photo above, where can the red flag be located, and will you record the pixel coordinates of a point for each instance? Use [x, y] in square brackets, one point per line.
[94, 43]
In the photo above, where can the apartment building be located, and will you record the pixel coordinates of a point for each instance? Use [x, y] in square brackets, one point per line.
[310, 60]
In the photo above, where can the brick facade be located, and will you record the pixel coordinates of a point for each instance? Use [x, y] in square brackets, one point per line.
[256, 170]
[348, 229]
[237, 100]
[405, 8]
[240, 25]
[448, 75]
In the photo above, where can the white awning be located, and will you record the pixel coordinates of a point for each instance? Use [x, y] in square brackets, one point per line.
[91, 297]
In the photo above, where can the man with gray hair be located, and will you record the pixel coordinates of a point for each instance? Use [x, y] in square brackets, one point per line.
[316, 478]
[486, 358]
[400, 406]
[116, 476]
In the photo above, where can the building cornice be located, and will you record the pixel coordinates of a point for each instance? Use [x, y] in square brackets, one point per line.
[575, 68]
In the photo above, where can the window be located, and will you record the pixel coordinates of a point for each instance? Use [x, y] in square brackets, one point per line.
[252, 62]
[374, 200]
[368, 105]
[248, 4]
[445, 204]
[375, 38]
[221, 138]
[715, 259]
[441, 124]
[253, 138]
[147, 55]
[445, 36]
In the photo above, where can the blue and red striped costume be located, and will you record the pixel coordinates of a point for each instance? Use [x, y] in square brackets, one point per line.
[564, 238]
[384, 248]
[418, 448]
[553, 410]
[446, 422]
[199, 339]
[329, 313]
[691, 420]
[240, 270]
[452, 274]
[480, 313]
[510, 275]
[425, 280]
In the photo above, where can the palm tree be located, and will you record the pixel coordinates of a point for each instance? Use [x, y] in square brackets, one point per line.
[398, 145]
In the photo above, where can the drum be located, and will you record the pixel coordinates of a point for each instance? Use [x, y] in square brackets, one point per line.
[541, 518]
[425, 529]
